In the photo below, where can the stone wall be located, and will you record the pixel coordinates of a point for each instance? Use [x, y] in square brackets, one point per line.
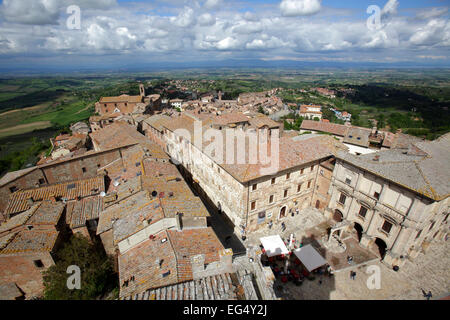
[21, 269]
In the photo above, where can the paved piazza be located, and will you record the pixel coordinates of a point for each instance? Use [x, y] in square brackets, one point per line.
[429, 271]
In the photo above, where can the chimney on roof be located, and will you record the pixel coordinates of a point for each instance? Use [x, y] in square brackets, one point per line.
[198, 266]
[226, 260]
[374, 131]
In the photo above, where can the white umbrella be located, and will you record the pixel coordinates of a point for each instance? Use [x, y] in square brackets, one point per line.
[274, 246]
[310, 258]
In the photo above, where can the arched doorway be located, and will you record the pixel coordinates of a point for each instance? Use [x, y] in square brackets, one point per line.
[283, 212]
[359, 230]
[338, 216]
[381, 247]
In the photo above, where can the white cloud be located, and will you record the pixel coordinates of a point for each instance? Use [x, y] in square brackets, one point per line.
[212, 4]
[433, 13]
[38, 12]
[194, 32]
[186, 18]
[390, 8]
[206, 19]
[227, 44]
[293, 8]
[43, 12]
[432, 33]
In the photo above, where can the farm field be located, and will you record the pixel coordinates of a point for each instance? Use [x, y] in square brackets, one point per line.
[415, 101]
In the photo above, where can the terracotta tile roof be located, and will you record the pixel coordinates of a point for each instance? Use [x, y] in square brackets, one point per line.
[18, 220]
[19, 201]
[47, 213]
[403, 141]
[84, 210]
[154, 168]
[158, 121]
[174, 255]
[123, 134]
[188, 205]
[388, 139]
[189, 243]
[217, 287]
[122, 98]
[145, 209]
[31, 241]
[262, 120]
[6, 239]
[124, 189]
[11, 176]
[357, 136]
[120, 210]
[141, 262]
[336, 129]
[423, 168]
[230, 118]
[293, 152]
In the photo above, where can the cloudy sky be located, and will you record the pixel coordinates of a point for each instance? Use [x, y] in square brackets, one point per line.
[118, 33]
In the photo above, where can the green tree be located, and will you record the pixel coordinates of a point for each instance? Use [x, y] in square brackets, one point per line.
[97, 273]
[381, 121]
[261, 110]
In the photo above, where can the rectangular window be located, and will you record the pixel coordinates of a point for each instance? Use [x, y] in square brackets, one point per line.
[432, 225]
[342, 198]
[288, 176]
[309, 184]
[273, 180]
[13, 189]
[348, 181]
[84, 170]
[299, 188]
[38, 263]
[41, 181]
[376, 195]
[271, 199]
[312, 168]
[363, 211]
[418, 234]
[253, 206]
[387, 226]
[285, 193]
[254, 187]
[301, 171]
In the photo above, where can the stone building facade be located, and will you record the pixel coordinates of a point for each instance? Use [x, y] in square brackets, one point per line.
[396, 200]
[248, 199]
